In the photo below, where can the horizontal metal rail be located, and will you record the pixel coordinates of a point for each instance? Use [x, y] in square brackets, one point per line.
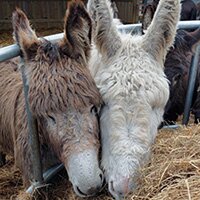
[175, 126]
[13, 50]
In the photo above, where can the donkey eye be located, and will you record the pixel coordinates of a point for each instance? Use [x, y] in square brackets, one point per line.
[94, 110]
[52, 119]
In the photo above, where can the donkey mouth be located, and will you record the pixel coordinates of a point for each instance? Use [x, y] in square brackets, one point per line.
[80, 193]
[91, 192]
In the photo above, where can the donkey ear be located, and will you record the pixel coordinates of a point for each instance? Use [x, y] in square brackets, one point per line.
[196, 39]
[78, 28]
[23, 35]
[162, 30]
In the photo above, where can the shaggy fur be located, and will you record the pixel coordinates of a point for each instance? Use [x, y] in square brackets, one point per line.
[62, 96]
[177, 67]
[128, 70]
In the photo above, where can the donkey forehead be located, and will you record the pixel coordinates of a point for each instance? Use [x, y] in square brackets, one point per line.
[49, 48]
[57, 84]
[48, 45]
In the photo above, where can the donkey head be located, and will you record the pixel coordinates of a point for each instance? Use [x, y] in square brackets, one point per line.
[177, 66]
[134, 89]
[63, 96]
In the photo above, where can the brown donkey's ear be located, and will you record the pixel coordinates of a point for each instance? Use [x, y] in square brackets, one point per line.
[78, 29]
[23, 34]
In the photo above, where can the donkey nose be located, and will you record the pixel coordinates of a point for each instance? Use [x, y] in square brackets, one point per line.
[119, 188]
[95, 189]
[86, 191]
[91, 191]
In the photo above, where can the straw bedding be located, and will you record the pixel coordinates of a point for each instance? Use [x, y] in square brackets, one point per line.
[173, 172]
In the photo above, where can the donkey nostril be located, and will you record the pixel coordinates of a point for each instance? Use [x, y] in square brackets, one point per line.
[90, 191]
[121, 194]
[116, 190]
[101, 176]
[111, 186]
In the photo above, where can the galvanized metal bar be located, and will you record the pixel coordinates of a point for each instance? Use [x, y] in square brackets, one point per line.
[181, 24]
[193, 24]
[175, 126]
[191, 84]
[9, 52]
[33, 134]
[13, 50]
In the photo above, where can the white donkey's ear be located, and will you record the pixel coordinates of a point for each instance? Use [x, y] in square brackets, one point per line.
[78, 29]
[23, 34]
[161, 33]
[106, 36]
[91, 9]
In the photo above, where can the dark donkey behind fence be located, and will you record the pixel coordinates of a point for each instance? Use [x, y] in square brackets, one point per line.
[62, 97]
[177, 66]
[188, 12]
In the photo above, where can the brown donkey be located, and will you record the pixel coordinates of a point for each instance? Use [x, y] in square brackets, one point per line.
[63, 98]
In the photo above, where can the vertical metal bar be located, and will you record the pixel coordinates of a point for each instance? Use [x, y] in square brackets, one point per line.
[191, 84]
[33, 135]
[48, 175]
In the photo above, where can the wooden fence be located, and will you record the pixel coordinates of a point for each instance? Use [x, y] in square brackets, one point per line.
[49, 13]
[128, 10]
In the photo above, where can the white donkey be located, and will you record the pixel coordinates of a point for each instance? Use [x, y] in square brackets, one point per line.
[128, 70]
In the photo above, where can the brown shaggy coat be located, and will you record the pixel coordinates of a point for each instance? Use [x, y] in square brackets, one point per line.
[58, 81]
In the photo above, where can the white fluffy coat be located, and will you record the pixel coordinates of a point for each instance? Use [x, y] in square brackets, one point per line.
[128, 71]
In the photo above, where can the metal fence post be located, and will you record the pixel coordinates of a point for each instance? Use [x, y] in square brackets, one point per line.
[33, 134]
[191, 84]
